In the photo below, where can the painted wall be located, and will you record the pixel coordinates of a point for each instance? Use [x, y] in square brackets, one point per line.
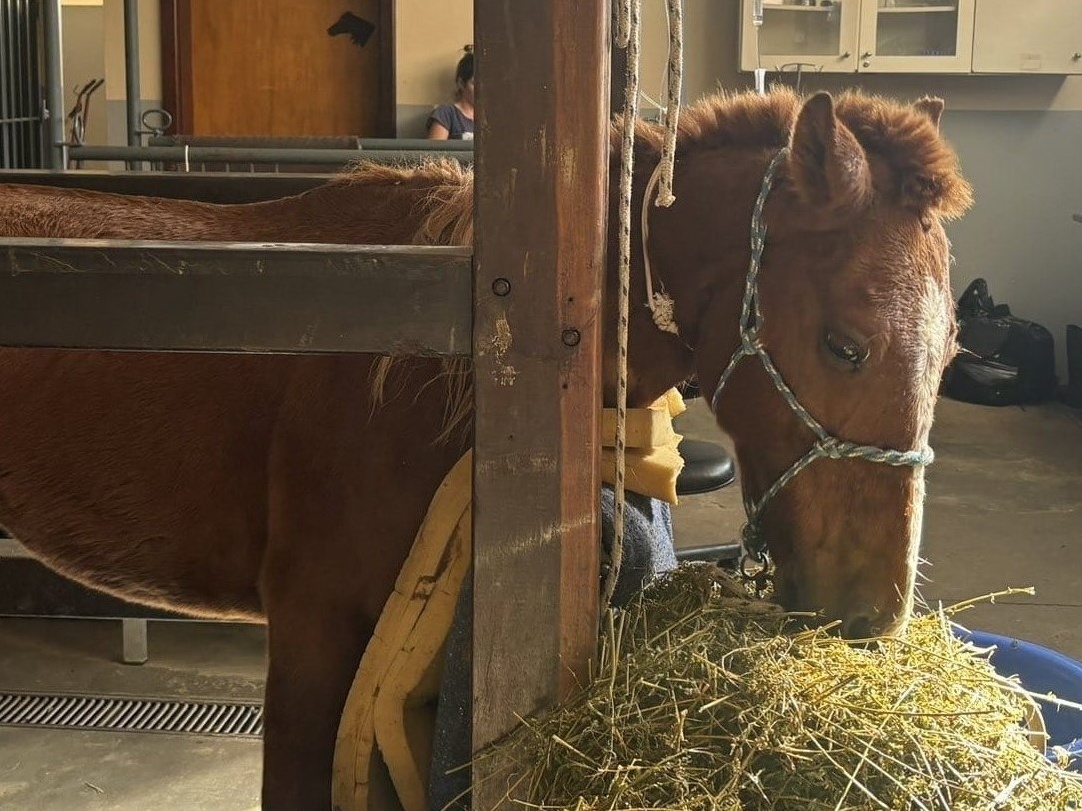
[84, 60]
[93, 47]
[1018, 138]
[429, 40]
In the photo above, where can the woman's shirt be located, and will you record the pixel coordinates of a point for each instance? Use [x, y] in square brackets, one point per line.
[453, 120]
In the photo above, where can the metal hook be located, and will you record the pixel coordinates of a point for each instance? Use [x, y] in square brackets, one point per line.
[799, 68]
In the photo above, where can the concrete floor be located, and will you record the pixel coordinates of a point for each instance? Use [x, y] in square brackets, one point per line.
[1004, 509]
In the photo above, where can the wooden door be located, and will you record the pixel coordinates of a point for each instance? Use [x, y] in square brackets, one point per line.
[279, 67]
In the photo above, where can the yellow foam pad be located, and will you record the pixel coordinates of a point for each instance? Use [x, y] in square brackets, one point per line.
[383, 750]
[652, 461]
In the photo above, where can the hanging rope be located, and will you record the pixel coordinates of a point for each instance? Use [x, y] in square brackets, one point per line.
[672, 110]
[629, 14]
[628, 36]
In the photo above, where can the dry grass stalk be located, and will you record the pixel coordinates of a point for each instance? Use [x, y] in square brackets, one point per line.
[708, 701]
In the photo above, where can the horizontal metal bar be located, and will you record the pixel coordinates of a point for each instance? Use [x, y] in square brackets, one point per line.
[226, 154]
[28, 588]
[224, 297]
[422, 144]
[210, 187]
[272, 142]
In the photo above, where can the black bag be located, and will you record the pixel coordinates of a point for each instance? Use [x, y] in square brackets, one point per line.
[1004, 360]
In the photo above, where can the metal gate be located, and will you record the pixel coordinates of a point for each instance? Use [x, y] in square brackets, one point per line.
[21, 84]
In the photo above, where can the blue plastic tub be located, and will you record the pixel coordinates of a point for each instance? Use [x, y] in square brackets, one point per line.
[1040, 670]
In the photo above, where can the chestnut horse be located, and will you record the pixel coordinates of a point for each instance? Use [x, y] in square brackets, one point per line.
[287, 488]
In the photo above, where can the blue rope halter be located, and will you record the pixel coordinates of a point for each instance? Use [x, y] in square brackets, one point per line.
[826, 446]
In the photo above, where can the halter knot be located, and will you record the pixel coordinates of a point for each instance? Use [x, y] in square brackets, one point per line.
[749, 340]
[832, 448]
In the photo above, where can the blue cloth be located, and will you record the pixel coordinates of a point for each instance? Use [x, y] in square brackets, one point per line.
[648, 551]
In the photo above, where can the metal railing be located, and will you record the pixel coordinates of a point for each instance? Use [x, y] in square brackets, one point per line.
[197, 154]
[21, 104]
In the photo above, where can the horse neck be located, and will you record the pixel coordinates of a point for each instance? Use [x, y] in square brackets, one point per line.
[698, 255]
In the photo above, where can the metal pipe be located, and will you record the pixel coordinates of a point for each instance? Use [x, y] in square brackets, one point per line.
[7, 109]
[450, 145]
[131, 69]
[221, 154]
[277, 142]
[54, 84]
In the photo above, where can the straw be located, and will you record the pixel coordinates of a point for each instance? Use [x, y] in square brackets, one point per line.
[707, 700]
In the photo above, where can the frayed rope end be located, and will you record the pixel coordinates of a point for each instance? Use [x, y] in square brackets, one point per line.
[662, 307]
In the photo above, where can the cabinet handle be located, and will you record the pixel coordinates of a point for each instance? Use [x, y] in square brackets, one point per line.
[866, 64]
[1076, 55]
[846, 55]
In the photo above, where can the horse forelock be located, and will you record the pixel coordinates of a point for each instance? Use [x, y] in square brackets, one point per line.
[924, 168]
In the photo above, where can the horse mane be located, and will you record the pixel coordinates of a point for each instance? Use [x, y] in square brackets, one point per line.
[924, 167]
[445, 213]
[445, 205]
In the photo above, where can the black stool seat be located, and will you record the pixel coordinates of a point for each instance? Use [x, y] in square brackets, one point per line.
[707, 467]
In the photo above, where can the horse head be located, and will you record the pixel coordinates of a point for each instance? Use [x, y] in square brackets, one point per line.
[807, 263]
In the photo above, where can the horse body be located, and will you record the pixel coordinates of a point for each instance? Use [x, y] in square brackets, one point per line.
[286, 487]
[233, 486]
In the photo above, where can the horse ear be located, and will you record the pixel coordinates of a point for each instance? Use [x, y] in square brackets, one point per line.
[931, 107]
[830, 168]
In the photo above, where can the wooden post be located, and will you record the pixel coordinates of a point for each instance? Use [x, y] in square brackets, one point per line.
[541, 184]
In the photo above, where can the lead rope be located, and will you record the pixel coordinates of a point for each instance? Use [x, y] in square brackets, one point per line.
[628, 34]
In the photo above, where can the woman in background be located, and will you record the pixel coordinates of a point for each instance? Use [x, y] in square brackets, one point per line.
[456, 120]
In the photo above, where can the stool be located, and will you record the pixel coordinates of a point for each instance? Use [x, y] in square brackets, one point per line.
[707, 467]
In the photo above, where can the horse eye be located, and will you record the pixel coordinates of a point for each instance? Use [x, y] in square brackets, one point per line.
[847, 350]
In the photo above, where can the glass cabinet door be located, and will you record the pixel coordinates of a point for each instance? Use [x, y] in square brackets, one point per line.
[916, 36]
[816, 35]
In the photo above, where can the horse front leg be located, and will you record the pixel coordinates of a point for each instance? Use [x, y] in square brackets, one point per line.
[314, 646]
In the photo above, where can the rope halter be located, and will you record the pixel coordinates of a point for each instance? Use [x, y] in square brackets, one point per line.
[825, 446]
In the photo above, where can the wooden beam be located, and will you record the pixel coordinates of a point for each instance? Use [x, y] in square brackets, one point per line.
[541, 184]
[204, 296]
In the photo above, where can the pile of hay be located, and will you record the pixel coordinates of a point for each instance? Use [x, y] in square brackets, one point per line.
[706, 701]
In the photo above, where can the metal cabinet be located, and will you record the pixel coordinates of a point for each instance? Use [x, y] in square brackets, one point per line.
[1038, 36]
[862, 36]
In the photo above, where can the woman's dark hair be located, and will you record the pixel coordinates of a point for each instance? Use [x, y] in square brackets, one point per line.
[464, 71]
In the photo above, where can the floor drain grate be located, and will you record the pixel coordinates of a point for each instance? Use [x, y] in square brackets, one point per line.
[235, 719]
